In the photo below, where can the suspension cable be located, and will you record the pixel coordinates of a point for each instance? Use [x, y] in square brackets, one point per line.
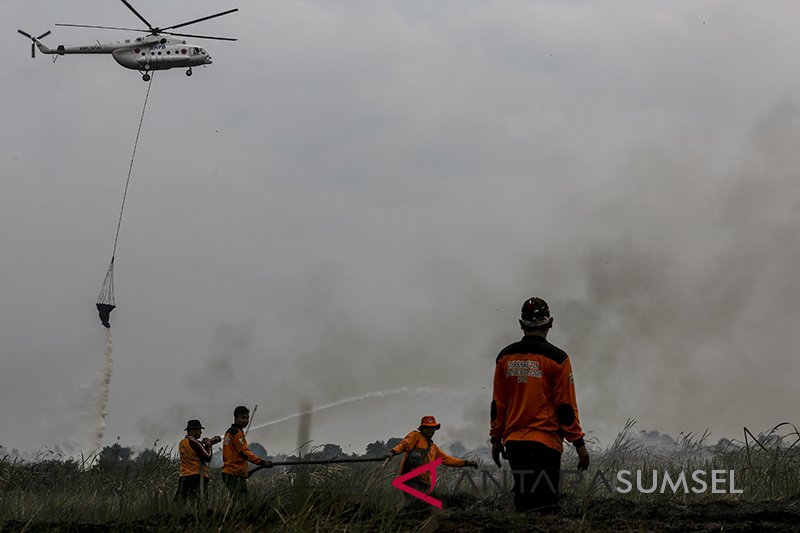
[130, 168]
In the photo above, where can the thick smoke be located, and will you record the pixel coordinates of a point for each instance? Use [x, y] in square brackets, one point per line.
[673, 298]
[213, 390]
[463, 159]
[683, 320]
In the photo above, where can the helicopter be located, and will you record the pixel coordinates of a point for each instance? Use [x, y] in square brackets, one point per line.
[159, 50]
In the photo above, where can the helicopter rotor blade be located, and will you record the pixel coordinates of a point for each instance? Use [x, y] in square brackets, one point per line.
[102, 27]
[33, 40]
[137, 14]
[199, 36]
[198, 20]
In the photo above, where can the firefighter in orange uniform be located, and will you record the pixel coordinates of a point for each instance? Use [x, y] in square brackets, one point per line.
[195, 454]
[236, 454]
[533, 410]
[419, 449]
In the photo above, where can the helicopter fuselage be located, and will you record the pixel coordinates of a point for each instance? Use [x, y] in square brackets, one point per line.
[159, 49]
[143, 53]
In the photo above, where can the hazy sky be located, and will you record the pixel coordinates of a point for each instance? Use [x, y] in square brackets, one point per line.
[357, 196]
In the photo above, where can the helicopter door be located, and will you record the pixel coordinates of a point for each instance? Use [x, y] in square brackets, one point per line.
[150, 56]
[156, 56]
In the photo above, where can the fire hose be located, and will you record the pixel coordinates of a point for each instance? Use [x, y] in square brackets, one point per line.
[319, 462]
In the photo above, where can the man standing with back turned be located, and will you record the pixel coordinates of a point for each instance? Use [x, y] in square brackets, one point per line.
[533, 410]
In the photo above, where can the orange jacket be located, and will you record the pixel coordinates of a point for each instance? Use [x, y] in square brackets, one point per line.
[236, 454]
[416, 440]
[534, 395]
[193, 453]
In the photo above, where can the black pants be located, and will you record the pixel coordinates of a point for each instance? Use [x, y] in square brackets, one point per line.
[236, 485]
[189, 487]
[414, 506]
[536, 469]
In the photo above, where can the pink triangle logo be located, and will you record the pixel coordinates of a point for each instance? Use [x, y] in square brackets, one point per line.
[399, 482]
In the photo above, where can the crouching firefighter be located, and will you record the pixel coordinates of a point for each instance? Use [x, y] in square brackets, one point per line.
[418, 449]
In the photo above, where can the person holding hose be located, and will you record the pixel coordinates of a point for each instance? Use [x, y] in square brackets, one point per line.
[418, 449]
[236, 454]
[194, 455]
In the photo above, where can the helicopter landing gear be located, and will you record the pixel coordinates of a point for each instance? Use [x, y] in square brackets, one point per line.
[189, 72]
[146, 77]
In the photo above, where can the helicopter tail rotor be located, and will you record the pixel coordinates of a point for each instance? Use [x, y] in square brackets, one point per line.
[34, 40]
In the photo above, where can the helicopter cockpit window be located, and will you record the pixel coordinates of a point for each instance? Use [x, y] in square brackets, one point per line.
[196, 51]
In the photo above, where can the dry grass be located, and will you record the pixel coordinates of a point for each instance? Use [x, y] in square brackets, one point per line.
[52, 493]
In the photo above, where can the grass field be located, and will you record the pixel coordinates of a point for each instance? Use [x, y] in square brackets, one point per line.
[116, 492]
